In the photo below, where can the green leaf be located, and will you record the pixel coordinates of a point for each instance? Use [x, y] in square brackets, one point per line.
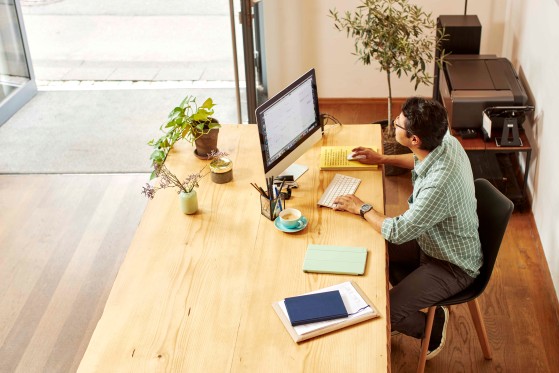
[200, 116]
[175, 111]
[208, 104]
[187, 100]
[157, 155]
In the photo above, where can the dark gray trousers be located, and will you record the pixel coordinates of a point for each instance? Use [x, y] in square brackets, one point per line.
[419, 281]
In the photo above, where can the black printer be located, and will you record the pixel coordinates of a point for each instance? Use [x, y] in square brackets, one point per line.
[471, 83]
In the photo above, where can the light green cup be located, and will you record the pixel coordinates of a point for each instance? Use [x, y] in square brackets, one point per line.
[291, 218]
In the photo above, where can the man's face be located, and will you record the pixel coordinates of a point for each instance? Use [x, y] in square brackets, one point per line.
[401, 134]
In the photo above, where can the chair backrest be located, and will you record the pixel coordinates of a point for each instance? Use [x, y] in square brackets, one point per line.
[493, 210]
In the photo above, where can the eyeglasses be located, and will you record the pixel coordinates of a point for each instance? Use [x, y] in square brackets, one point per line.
[402, 127]
[398, 125]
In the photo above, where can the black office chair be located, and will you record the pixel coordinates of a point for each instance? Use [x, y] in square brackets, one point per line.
[493, 210]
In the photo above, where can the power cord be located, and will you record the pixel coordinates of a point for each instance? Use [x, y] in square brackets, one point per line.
[328, 120]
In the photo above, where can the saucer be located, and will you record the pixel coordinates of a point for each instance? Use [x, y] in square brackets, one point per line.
[280, 226]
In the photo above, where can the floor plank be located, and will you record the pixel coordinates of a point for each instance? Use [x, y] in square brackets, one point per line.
[63, 239]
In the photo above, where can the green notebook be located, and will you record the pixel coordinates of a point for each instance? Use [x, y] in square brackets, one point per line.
[335, 259]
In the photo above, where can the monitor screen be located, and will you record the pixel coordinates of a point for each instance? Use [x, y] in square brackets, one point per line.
[289, 124]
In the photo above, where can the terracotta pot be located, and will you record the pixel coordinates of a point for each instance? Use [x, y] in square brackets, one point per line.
[206, 143]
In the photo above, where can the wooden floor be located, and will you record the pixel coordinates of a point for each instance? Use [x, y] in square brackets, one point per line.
[63, 238]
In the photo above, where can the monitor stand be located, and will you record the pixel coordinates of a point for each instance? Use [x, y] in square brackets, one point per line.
[296, 170]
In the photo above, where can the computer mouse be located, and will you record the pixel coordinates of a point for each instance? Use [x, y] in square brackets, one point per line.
[354, 157]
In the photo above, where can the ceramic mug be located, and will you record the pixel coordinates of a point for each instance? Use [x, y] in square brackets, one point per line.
[291, 218]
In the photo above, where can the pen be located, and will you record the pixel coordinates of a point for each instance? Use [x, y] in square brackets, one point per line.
[255, 187]
[269, 183]
[278, 196]
[281, 187]
[259, 189]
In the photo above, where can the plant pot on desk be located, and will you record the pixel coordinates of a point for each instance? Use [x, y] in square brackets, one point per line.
[206, 143]
[188, 202]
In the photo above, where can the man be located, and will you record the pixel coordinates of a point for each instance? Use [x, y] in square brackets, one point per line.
[434, 249]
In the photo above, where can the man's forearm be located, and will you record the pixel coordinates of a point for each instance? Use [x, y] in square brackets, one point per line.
[375, 219]
[399, 160]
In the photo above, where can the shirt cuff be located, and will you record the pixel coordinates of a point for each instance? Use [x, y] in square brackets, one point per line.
[386, 228]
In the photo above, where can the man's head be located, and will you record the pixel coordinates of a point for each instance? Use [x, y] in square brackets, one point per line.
[426, 119]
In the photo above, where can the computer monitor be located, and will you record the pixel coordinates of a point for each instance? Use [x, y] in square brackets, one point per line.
[289, 125]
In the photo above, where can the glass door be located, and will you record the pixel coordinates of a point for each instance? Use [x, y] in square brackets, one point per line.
[17, 81]
[252, 21]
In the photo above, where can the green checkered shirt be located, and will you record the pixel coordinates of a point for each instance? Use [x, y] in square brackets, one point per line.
[442, 209]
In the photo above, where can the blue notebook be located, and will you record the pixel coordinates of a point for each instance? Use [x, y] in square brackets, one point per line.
[306, 309]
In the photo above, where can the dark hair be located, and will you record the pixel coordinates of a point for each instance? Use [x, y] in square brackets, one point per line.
[427, 119]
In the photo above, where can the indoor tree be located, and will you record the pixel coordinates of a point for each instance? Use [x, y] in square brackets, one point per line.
[400, 37]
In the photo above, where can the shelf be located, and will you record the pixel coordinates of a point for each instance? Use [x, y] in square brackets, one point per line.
[499, 170]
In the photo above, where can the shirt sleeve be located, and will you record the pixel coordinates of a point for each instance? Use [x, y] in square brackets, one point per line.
[429, 207]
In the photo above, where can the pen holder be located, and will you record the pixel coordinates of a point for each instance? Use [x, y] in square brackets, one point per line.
[270, 208]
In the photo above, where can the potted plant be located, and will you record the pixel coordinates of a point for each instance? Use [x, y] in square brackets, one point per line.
[401, 38]
[190, 122]
[188, 198]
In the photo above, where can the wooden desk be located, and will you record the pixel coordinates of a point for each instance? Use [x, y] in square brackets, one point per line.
[195, 293]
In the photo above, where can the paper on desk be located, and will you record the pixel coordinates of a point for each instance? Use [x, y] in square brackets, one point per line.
[352, 301]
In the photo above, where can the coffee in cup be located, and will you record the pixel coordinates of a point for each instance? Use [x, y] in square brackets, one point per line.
[291, 218]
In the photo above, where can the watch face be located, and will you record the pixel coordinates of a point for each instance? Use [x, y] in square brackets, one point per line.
[365, 209]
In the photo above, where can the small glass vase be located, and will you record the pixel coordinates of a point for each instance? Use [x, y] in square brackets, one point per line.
[188, 202]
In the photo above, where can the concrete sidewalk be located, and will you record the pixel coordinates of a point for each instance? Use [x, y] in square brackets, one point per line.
[106, 40]
[108, 74]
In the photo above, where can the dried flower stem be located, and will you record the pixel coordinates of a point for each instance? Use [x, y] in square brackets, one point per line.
[167, 179]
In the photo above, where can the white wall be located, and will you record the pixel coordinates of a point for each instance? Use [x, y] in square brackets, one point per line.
[531, 42]
[300, 35]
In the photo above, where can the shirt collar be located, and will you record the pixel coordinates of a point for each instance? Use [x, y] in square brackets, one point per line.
[422, 167]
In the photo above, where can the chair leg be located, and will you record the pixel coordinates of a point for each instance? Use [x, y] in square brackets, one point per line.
[475, 311]
[425, 340]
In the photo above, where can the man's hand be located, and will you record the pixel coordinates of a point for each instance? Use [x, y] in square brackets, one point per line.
[349, 203]
[371, 157]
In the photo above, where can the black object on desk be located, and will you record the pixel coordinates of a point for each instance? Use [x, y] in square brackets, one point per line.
[510, 119]
[468, 133]
[306, 309]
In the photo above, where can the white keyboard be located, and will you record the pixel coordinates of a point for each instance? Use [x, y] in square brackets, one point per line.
[340, 185]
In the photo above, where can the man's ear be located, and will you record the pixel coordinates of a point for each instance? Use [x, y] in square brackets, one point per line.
[415, 140]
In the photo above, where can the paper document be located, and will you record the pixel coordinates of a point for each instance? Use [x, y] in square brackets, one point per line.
[352, 301]
[335, 158]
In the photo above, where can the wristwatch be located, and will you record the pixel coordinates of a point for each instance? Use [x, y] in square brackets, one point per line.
[365, 209]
